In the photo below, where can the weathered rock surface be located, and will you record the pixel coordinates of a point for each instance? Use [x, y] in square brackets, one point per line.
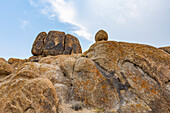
[16, 62]
[38, 44]
[5, 68]
[72, 45]
[111, 77]
[166, 49]
[52, 72]
[27, 92]
[137, 73]
[55, 43]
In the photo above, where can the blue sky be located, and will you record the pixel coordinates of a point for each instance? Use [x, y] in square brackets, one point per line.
[136, 21]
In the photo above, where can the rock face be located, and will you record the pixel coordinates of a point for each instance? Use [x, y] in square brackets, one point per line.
[110, 77]
[137, 73]
[55, 43]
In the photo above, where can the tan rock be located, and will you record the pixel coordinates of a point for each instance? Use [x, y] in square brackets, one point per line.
[49, 60]
[2, 59]
[139, 70]
[16, 63]
[27, 92]
[38, 44]
[52, 72]
[101, 35]
[5, 69]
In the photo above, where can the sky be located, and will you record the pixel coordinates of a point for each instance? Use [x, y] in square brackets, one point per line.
[134, 21]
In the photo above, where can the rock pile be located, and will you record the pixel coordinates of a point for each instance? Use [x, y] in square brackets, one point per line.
[110, 77]
[55, 43]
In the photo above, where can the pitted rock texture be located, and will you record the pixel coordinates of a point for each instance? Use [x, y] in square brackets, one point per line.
[55, 43]
[166, 49]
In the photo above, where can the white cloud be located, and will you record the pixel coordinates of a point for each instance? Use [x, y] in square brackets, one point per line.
[24, 23]
[91, 15]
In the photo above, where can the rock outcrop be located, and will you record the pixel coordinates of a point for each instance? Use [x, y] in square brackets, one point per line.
[110, 77]
[137, 73]
[55, 43]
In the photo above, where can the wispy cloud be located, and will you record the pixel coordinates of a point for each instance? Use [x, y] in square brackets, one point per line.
[90, 15]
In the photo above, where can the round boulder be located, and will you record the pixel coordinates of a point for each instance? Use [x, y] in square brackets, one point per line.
[101, 35]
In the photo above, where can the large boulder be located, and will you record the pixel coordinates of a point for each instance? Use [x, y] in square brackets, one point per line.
[38, 44]
[72, 45]
[139, 75]
[55, 43]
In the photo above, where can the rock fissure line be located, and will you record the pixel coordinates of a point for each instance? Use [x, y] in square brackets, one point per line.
[64, 44]
[113, 81]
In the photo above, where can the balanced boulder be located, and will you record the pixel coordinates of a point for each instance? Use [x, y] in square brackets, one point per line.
[101, 35]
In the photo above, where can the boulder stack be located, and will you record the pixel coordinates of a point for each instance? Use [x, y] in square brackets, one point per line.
[55, 43]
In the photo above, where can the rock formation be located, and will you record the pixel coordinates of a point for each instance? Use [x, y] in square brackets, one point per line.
[110, 77]
[55, 43]
[101, 35]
